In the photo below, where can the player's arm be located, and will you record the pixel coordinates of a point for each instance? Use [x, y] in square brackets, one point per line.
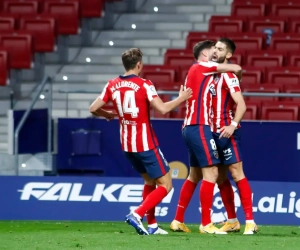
[166, 107]
[96, 107]
[209, 68]
[240, 106]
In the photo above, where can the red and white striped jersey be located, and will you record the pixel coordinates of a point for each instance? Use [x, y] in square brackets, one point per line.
[200, 80]
[222, 102]
[131, 96]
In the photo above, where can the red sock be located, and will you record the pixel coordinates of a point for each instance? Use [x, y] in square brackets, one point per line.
[186, 194]
[227, 196]
[246, 197]
[206, 199]
[151, 201]
[151, 213]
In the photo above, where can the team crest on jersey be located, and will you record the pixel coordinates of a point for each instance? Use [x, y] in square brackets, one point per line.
[216, 79]
[212, 90]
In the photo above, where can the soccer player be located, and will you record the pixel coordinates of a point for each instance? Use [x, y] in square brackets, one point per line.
[203, 154]
[227, 135]
[132, 97]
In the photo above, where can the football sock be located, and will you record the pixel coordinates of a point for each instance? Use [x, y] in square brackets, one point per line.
[206, 199]
[246, 197]
[186, 194]
[227, 196]
[151, 200]
[151, 213]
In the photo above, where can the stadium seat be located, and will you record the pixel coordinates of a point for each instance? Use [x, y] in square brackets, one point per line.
[252, 110]
[43, 29]
[236, 58]
[226, 24]
[248, 41]
[288, 75]
[179, 113]
[195, 37]
[177, 57]
[265, 59]
[287, 42]
[263, 88]
[7, 24]
[280, 112]
[91, 8]
[21, 7]
[294, 61]
[168, 86]
[19, 47]
[183, 73]
[252, 75]
[259, 24]
[288, 8]
[292, 89]
[66, 14]
[159, 73]
[248, 8]
[4, 67]
[294, 25]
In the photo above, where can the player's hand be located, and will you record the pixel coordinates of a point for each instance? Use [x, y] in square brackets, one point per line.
[227, 131]
[185, 94]
[110, 115]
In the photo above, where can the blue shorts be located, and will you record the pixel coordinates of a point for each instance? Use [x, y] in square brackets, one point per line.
[151, 162]
[201, 145]
[229, 148]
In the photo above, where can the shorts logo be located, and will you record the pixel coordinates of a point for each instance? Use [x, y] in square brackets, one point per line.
[227, 153]
[216, 154]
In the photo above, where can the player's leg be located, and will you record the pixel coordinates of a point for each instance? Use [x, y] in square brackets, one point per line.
[236, 169]
[203, 145]
[158, 169]
[186, 193]
[149, 186]
[232, 224]
[188, 187]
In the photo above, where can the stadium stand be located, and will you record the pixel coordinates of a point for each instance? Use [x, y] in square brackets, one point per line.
[73, 31]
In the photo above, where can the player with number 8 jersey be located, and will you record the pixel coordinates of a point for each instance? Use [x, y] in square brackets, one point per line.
[132, 97]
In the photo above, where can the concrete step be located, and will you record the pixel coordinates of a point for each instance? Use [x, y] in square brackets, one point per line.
[3, 147]
[3, 137]
[187, 2]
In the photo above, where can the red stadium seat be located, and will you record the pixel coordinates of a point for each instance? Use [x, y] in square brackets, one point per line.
[259, 24]
[294, 61]
[169, 86]
[66, 14]
[236, 58]
[248, 41]
[288, 8]
[183, 73]
[21, 7]
[280, 112]
[248, 8]
[179, 113]
[159, 73]
[91, 8]
[288, 42]
[177, 57]
[195, 37]
[262, 88]
[292, 89]
[226, 24]
[252, 110]
[43, 29]
[294, 25]
[19, 47]
[265, 59]
[280, 75]
[252, 75]
[7, 24]
[4, 68]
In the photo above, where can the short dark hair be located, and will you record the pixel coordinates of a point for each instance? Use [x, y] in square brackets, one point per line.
[229, 44]
[199, 47]
[131, 57]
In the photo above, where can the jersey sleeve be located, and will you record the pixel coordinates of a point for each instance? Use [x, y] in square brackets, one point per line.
[105, 95]
[232, 82]
[150, 90]
[208, 68]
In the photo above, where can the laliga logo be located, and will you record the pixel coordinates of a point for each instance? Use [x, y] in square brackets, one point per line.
[218, 212]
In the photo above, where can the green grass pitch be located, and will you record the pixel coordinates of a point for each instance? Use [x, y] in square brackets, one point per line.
[42, 235]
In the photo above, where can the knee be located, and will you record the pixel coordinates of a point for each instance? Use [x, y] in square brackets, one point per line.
[195, 175]
[150, 182]
[237, 172]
